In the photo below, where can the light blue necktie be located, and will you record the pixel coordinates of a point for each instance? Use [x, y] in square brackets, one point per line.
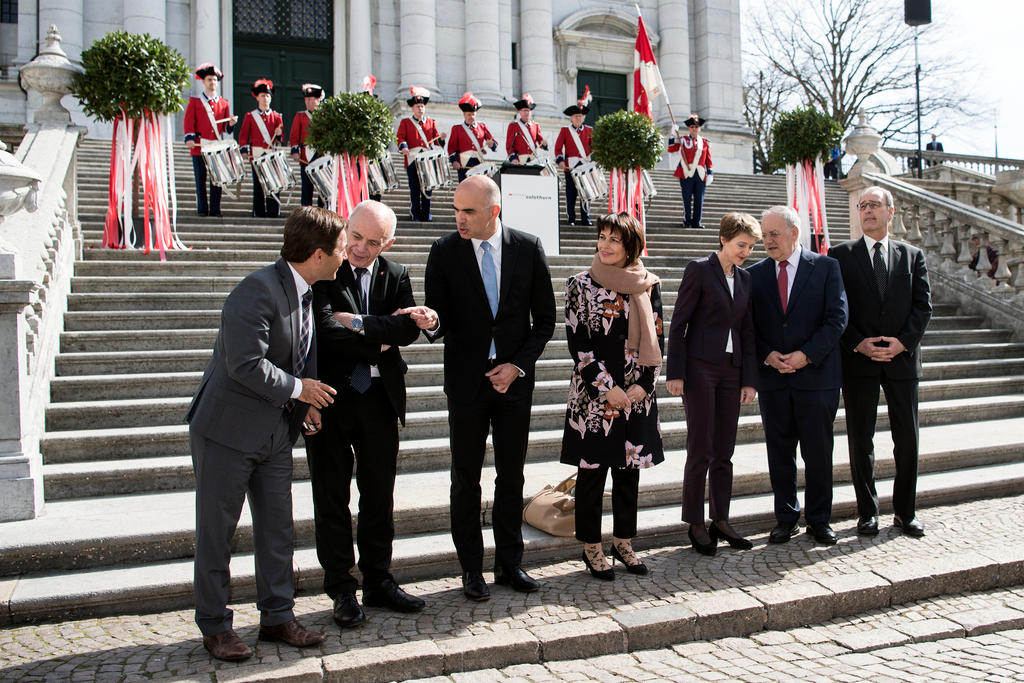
[490, 275]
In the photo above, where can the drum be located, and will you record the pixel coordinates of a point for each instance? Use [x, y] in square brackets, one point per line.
[545, 164]
[273, 172]
[432, 169]
[321, 172]
[381, 176]
[649, 190]
[487, 168]
[590, 181]
[223, 162]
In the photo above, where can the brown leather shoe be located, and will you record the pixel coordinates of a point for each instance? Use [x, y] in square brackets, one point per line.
[227, 646]
[291, 632]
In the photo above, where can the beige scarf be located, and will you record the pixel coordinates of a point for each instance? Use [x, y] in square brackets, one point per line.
[635, 281]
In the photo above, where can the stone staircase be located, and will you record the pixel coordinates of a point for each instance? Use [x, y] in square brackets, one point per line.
[116, 535]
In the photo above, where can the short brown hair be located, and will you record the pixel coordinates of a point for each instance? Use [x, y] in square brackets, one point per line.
[309, 228]
[629, 229]
[736, 223]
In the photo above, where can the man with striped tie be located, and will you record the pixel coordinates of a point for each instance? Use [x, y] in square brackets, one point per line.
[259, 390]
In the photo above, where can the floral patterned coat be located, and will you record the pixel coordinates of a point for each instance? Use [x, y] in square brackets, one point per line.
[596, 328]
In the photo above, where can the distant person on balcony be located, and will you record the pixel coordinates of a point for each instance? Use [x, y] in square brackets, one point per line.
[694, 168]
[832, 165]
[991, 252]
[933, 146]
[890, 306]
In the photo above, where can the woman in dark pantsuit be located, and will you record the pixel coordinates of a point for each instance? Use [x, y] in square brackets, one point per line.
[614, 328]
[712, 365]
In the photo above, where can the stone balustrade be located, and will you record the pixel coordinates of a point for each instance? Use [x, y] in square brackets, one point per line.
[991, 165]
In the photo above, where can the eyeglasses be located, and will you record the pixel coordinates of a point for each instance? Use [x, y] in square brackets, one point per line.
[771, 235]
[869, 205]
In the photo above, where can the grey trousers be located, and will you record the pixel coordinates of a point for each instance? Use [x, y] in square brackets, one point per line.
[223, 478]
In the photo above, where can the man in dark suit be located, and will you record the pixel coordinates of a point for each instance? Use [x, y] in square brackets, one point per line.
[890, 306]
[259, 389]
[358, 335]
[799, 312]
[491, 288]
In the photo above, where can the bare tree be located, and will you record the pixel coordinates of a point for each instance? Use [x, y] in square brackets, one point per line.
[844, 55]
[764, 97]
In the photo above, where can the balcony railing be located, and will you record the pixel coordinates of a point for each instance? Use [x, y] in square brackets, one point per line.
[990, 165]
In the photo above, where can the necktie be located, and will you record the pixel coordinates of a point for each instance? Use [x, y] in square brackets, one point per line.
[490, 276]
[305, 332]
[881, 274]
[360, 380]
[784, 284]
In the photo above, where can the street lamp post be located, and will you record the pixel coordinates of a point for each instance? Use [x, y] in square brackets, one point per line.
[916, 13]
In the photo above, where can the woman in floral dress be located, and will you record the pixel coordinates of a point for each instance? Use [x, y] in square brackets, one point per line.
[614, 328]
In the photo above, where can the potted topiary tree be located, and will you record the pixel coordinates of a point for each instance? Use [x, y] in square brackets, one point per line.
[136, 81]
[802, 140]
[353, 128]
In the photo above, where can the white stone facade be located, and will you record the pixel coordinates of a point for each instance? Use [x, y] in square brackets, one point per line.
[450, 46]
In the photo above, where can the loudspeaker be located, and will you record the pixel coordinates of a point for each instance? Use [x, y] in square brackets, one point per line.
[917, 12]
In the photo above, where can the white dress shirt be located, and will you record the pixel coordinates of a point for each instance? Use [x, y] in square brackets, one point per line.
[870, 244]
[301, 287]
[794, 263]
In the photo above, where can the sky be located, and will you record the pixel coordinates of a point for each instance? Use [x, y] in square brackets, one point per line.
[990, 34]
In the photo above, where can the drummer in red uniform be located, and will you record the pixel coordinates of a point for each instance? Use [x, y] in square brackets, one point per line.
[468, 139]
[417, 133]
[262, 128]
[206, 118]
[572, 148]
[312, 95]
[694, 170]
[523, 135]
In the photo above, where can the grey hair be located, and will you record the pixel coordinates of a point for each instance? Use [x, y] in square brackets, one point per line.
[885, 193]
[788, 214]
[381, 211]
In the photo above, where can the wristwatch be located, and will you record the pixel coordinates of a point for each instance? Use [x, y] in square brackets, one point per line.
[357, 323]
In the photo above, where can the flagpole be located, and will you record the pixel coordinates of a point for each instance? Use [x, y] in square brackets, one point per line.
[668, 102]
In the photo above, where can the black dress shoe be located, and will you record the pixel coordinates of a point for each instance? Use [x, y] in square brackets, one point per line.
[603, 574]
[474, 586]
[709, 548]
[202, 213]
[585, 221]
[736, 542]
[216, 214]
[867, 526]
[389, 594]
[347, 612]
[516, 578]
[783, 532]
[822, 533]
[640, 569]
[912, 527]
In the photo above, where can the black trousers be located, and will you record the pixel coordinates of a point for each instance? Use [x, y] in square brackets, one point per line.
[792, 416]
[860, 397]
[693, 199]
[571, 197]
[199, 173]
[419, 204]
[589, 497]
[508, 419]
[262, 205]
[363, 429]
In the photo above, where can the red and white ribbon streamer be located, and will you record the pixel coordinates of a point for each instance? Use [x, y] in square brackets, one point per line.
[350, 174]
[805, 193]
[626, 194]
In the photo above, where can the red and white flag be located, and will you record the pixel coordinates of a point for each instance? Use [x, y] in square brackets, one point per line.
[647, 83]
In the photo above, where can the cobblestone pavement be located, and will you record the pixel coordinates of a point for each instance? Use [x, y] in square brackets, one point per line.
[167, 645]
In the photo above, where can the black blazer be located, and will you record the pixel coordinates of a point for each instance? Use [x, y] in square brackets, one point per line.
[814, 319]
[526, 310]
[341, 348]
[903, 314]
[703, 316]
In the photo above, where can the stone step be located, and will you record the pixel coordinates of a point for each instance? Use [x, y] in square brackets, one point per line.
[161, 585]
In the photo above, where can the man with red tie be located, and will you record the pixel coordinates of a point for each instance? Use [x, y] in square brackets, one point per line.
[468, 139]
[206, 118]
[572, 148]
[261, 128]
[417, 133]
[312, 95]
[694, 169]
[523, 136]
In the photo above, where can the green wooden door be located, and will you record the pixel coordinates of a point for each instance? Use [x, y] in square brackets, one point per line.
[290, 42]
[608, 90]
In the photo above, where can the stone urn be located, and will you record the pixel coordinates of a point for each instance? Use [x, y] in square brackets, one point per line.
[1010, 184]
[52, 74]
[19, 185]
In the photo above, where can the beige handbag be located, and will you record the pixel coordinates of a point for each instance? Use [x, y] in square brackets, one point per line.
[553, 510]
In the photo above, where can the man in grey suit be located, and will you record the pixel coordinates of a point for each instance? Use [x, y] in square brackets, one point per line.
[259, 389]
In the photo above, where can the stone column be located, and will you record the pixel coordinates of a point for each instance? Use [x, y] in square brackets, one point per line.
[718, 79]
[418, 35]
[67, 14]
[146, 16]
[674, 58]
[360, 48]
[536, 48]
[206, 37]
[482, 55]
